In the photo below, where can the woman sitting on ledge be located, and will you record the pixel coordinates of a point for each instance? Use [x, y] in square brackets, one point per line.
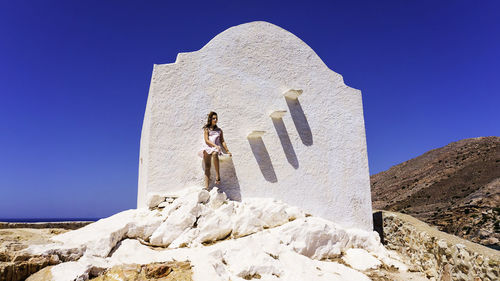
[214, 139]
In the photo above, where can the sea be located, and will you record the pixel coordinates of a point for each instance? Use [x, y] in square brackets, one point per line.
[28, 220]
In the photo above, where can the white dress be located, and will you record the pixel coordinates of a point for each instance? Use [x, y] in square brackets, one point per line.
[214, 137]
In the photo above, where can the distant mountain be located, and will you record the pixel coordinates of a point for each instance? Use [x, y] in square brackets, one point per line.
[456, 188]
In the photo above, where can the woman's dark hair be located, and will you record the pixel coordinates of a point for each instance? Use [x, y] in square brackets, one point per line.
[209, 121]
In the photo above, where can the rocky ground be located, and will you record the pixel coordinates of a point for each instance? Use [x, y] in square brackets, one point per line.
[15, 237]
[160, 271]
[428, 254]
[203, 236]
[456, 188]
[17, 265]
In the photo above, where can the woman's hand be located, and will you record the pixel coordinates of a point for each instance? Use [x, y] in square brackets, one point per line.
[219, 149]
[230, 154]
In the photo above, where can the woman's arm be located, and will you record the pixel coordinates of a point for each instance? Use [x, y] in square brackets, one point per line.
[224, 143]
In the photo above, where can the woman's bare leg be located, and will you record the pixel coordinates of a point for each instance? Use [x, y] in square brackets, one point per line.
[207, 161]
[216, 165]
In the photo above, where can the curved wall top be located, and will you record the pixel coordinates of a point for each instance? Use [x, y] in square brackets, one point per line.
[295, 129]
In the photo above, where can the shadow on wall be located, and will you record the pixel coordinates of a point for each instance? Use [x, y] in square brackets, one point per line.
[229, 181]
[262, 156]
[300, 121]
[285, 142]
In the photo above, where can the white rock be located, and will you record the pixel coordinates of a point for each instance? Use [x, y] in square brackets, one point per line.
[314, 237]
[360, 259]
[246, 261]
[98, 238]
[180, 220]
[269, 239]
[270, 211]
[164, 204]
[369, 240]
[216, 224]
[245, 221]
[216, 198]
[70, 271]
[153, 199]
[144, 223]
[299, 267]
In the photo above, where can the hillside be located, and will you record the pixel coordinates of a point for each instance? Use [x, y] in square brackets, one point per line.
[456, 188]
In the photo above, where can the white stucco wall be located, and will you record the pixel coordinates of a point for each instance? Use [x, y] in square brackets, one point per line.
[314, 157]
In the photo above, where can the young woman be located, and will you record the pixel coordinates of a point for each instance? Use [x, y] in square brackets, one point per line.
[214, 139]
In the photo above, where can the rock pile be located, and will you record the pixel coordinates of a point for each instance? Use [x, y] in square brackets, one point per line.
[220, 240]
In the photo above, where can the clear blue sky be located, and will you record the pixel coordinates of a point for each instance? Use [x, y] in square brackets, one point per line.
[74, 78]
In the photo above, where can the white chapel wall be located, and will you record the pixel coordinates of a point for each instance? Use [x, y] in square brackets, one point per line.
[313, 157]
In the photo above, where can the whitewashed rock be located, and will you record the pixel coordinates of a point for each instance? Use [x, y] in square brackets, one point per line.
[71, 271]
[153, 199]
[246, 222]
[269, 239]
[314, 237]
[216, 224]
[246, 263]
[176, 223]
[216, 198]
[360, 259]
[300, 267]
[164, 204]
[99, 238]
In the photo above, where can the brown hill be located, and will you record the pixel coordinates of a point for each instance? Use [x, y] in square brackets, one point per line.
[456, 188]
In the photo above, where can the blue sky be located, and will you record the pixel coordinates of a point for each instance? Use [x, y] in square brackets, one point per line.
[74, 79]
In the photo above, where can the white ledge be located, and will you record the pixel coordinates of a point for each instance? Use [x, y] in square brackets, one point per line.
[292, 94]
[224, 157]
[256, 134]
[277, 114]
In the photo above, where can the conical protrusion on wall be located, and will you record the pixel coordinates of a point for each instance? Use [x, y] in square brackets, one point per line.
[292, 94]
[256, 134]
[277, 114]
